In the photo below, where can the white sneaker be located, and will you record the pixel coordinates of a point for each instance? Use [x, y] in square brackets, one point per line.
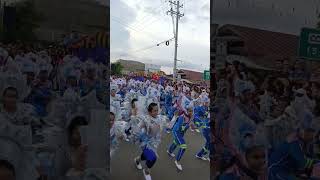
[197, 130]
[171, 154]
[137, 163]
[127, 139]
[204, 158]
[179, 166]
[146, 174]
[201, 157]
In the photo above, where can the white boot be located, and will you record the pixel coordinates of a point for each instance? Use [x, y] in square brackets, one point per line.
[202, 158]
[137, 162]
[178, 165]
[171, 154]
[146, 173]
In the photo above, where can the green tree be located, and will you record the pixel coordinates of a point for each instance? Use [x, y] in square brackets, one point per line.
[116, 68]
[27, 21]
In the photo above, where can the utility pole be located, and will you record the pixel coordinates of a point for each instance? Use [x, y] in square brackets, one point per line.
[178, 16]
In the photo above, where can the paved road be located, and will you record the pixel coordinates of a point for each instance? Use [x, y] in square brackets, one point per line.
[122, 165]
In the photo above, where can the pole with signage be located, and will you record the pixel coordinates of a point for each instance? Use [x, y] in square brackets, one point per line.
[309, 44]
[178, 16]
[206, 75]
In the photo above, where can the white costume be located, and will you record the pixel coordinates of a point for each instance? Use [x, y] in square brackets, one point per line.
[15, 142]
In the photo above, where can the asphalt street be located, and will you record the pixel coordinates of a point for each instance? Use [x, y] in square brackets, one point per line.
[123, 167]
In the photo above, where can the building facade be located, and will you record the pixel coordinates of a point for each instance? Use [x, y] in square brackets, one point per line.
[152, 68]
[192, 76]
[258, 48]
[62, 17]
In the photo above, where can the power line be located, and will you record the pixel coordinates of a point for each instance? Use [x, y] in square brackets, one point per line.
[139, 20]
[126, 25]
[137, 29]
[149, 25]
[146, 23]
[120, 20]
[126, 7]
[142, 50]
[146, 26]
[163, 4]
[142, 21]
[142, 26]
[152, 46]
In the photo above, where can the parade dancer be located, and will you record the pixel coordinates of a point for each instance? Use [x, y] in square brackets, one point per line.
[186, 101]
[265, 103]
[168, 105]
[198, 109]
[116, 133]
[245, 115]
[293, 157]
[254, 169]
[69, 77]
[149, 137]
[90, 81]
[174, 106]
[13, 90]
[248, 161]
[205, 126]
[162, 100]
[42, 94]
[16, 161]
[115, 100]
[113, 139]
[153, 94]
[29, 69]
[131, 111]
[294, 116]
[178, 131]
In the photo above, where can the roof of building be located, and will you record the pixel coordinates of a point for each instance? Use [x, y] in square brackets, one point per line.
[263, 41]
[190, 71]
[130, 61]
[191, 75]
[271, 45]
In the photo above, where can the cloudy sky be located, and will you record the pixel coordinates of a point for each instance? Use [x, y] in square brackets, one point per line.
[287, 16]
[139, 24]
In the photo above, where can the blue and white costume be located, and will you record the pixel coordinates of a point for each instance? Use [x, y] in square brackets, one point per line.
[206, 132]
[288, 159]
[179, 129]
[116, 133]
[115, 102]
[149, 137]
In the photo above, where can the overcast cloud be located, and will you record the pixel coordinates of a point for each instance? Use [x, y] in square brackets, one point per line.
[137, 24]
[287, 16]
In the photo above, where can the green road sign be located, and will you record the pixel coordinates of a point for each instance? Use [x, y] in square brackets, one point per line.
[206, 75]
[309, 45]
